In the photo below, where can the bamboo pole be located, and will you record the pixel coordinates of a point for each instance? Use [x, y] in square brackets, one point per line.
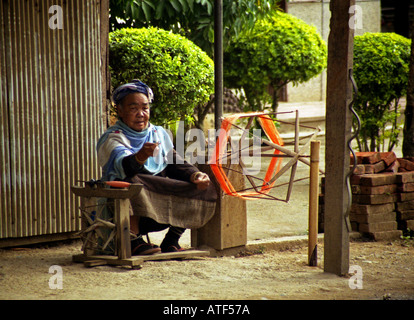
[313, 204]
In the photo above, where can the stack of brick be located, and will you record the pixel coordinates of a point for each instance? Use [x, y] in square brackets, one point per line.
[383, 195]
[373, 206]
[405, 203]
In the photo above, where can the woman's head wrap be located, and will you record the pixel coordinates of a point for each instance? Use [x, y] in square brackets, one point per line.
[136, 86]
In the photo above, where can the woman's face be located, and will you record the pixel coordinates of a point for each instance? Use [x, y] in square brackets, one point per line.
[135, 111]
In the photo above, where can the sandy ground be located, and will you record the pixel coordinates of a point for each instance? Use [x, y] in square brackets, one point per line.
[385, 268]
[386, 271]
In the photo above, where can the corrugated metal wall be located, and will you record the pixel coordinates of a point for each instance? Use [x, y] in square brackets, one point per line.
[52, 111]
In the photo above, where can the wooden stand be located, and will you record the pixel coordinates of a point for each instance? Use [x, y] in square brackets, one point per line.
[121, 233]
[121, 229]
[228, 227]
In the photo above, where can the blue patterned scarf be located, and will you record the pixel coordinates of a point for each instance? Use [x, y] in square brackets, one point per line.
[120, 141]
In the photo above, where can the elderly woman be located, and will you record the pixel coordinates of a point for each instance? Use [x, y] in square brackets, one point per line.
[175, 194]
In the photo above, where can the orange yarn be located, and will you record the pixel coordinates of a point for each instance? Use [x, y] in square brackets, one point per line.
[220, 149]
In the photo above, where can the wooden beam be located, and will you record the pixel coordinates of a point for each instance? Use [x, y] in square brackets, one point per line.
[110, 193]
[338, 132]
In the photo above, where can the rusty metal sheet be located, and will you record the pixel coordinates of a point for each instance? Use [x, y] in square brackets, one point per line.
[51, 112]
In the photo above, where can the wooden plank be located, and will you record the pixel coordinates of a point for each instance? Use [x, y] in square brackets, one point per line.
[135, 261]
[338, 131]
[95, 263]
[110, 260]
[187, 254]
[111, 193]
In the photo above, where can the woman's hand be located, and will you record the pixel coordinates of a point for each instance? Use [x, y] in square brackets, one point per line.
[147, 150]
[201, 179]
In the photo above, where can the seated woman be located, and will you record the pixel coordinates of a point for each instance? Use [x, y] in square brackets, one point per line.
[175, 194]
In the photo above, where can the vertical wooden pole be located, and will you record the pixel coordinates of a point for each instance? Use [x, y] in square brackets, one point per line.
[218, 63]
[338, 132]
[122, 224]
[313, 204]
[296, 149]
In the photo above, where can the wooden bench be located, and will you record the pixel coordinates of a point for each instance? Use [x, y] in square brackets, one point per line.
[94, 224]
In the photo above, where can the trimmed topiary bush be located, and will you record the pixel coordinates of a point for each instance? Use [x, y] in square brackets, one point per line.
[381, 65]
[279, 49]
[179, 72]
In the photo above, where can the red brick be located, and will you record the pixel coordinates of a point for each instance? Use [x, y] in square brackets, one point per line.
[404, 177]
[367, 157]
[406, 164]
[385, 235]
[406, 187]
[388, 157]
[372, 208]
[378, 179]
[378, 226]
[381, 217]
[375, 168]
[393, 167]
[359, 169]
[405, 215]
[388, 188]
[407, 196]
[368, 169]
[404, 206]
[356, 189]
[374, 198]
[355, 179]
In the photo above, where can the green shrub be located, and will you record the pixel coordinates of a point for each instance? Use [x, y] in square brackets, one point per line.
[180, 73]
[279, 49]
[381, 64]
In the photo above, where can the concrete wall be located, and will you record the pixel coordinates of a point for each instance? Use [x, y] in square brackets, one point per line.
[317, 13]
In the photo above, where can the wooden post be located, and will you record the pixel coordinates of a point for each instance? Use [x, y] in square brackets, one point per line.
[313, 204]
[228, 227]
[338, 132]
[218, 63]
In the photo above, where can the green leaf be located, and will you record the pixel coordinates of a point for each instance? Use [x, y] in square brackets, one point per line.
[176, 5]
[147, 10]
[159, 10]
[180, 73]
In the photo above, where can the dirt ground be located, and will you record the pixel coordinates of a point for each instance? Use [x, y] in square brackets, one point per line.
[385, 268]
[387, 273]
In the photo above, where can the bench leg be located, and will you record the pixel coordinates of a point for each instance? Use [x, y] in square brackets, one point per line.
[123, 228]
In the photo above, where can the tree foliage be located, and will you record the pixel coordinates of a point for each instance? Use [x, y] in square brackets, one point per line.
[193, 19]
[408, 141]
[179, 72]
[381, 64]
[277, 50]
